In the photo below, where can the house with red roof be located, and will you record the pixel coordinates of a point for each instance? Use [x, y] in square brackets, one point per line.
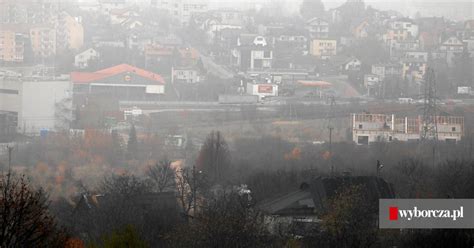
[121, 82]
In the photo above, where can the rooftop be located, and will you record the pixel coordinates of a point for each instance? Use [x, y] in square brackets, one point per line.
[89, 77]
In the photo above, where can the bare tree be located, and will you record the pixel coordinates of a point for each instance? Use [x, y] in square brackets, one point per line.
[24, 217]
[162, 175]
[189, 183]
[214, 158]
[124, 185]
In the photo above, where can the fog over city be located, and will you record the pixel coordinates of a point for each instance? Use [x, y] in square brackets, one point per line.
[265, 123]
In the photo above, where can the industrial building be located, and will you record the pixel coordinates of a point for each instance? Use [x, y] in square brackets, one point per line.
[123, 82]
[368, 128]
[35, 106]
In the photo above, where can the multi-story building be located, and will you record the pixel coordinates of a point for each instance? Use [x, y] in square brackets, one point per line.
[182, 10]
[318, 28]
[413, 69]
[387, 70]
[43, 41]
[70, 33]
[453, 46]
[28, 12]
[12, 45]
[406, 25]
[185, 75]
[323, 48]
[373, 84]
[368, 128]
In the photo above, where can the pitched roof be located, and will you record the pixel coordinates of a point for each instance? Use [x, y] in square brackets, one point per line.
[313, 196]
[89, 77]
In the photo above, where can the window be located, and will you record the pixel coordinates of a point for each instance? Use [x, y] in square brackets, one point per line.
[453, 129]
[363, 140]
[266, 54]
[8, 91]
[360, 126]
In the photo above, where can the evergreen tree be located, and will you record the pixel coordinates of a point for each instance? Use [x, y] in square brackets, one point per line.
[132, 145]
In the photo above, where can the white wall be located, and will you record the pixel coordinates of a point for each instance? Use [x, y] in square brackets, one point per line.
[39, 105]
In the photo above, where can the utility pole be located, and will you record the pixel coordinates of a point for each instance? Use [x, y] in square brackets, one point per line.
[330, 150]
[10, 150]
[194, 189]
[429, 123]
[331, 116]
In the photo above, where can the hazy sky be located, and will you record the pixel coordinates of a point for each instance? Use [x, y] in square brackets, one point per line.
[456, 9]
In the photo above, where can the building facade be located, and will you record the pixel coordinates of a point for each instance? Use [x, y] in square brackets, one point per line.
[368, 128]
[323, 48]
[37, 106]
[121, 82]
[12, 46]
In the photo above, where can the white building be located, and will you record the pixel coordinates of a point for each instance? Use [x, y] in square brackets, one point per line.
[373, 84]
[387, 70]
[368, 128]
[37, 105]
[406, 25]
[318, 28]
[185, 75]
[83, 59]
[182, 10]
[453, 47]
[252, 52]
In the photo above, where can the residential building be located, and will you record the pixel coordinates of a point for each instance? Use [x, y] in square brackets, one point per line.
[417, 55]
[107, 5]
[170, 55]
[188, 75]
[373, 84]
[299, 212]
[387, 70]
[351, 64]
[182, 10]
[28, 12]
[429, 40]
[82, 60]
[361, 31]
[317, 28]
[252, 52]
[399, 48]
[37, 105]
[70, 33]
[368, 128]
[323, 48]
[120, 82]
[406, 25]
[43, 41]
[453, 46]
[12, 45]
[413, 69]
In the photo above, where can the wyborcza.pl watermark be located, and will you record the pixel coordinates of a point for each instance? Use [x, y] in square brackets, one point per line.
[426, 213]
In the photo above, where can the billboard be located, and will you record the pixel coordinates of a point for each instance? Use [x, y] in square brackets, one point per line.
[265, 88]
[464, 90]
